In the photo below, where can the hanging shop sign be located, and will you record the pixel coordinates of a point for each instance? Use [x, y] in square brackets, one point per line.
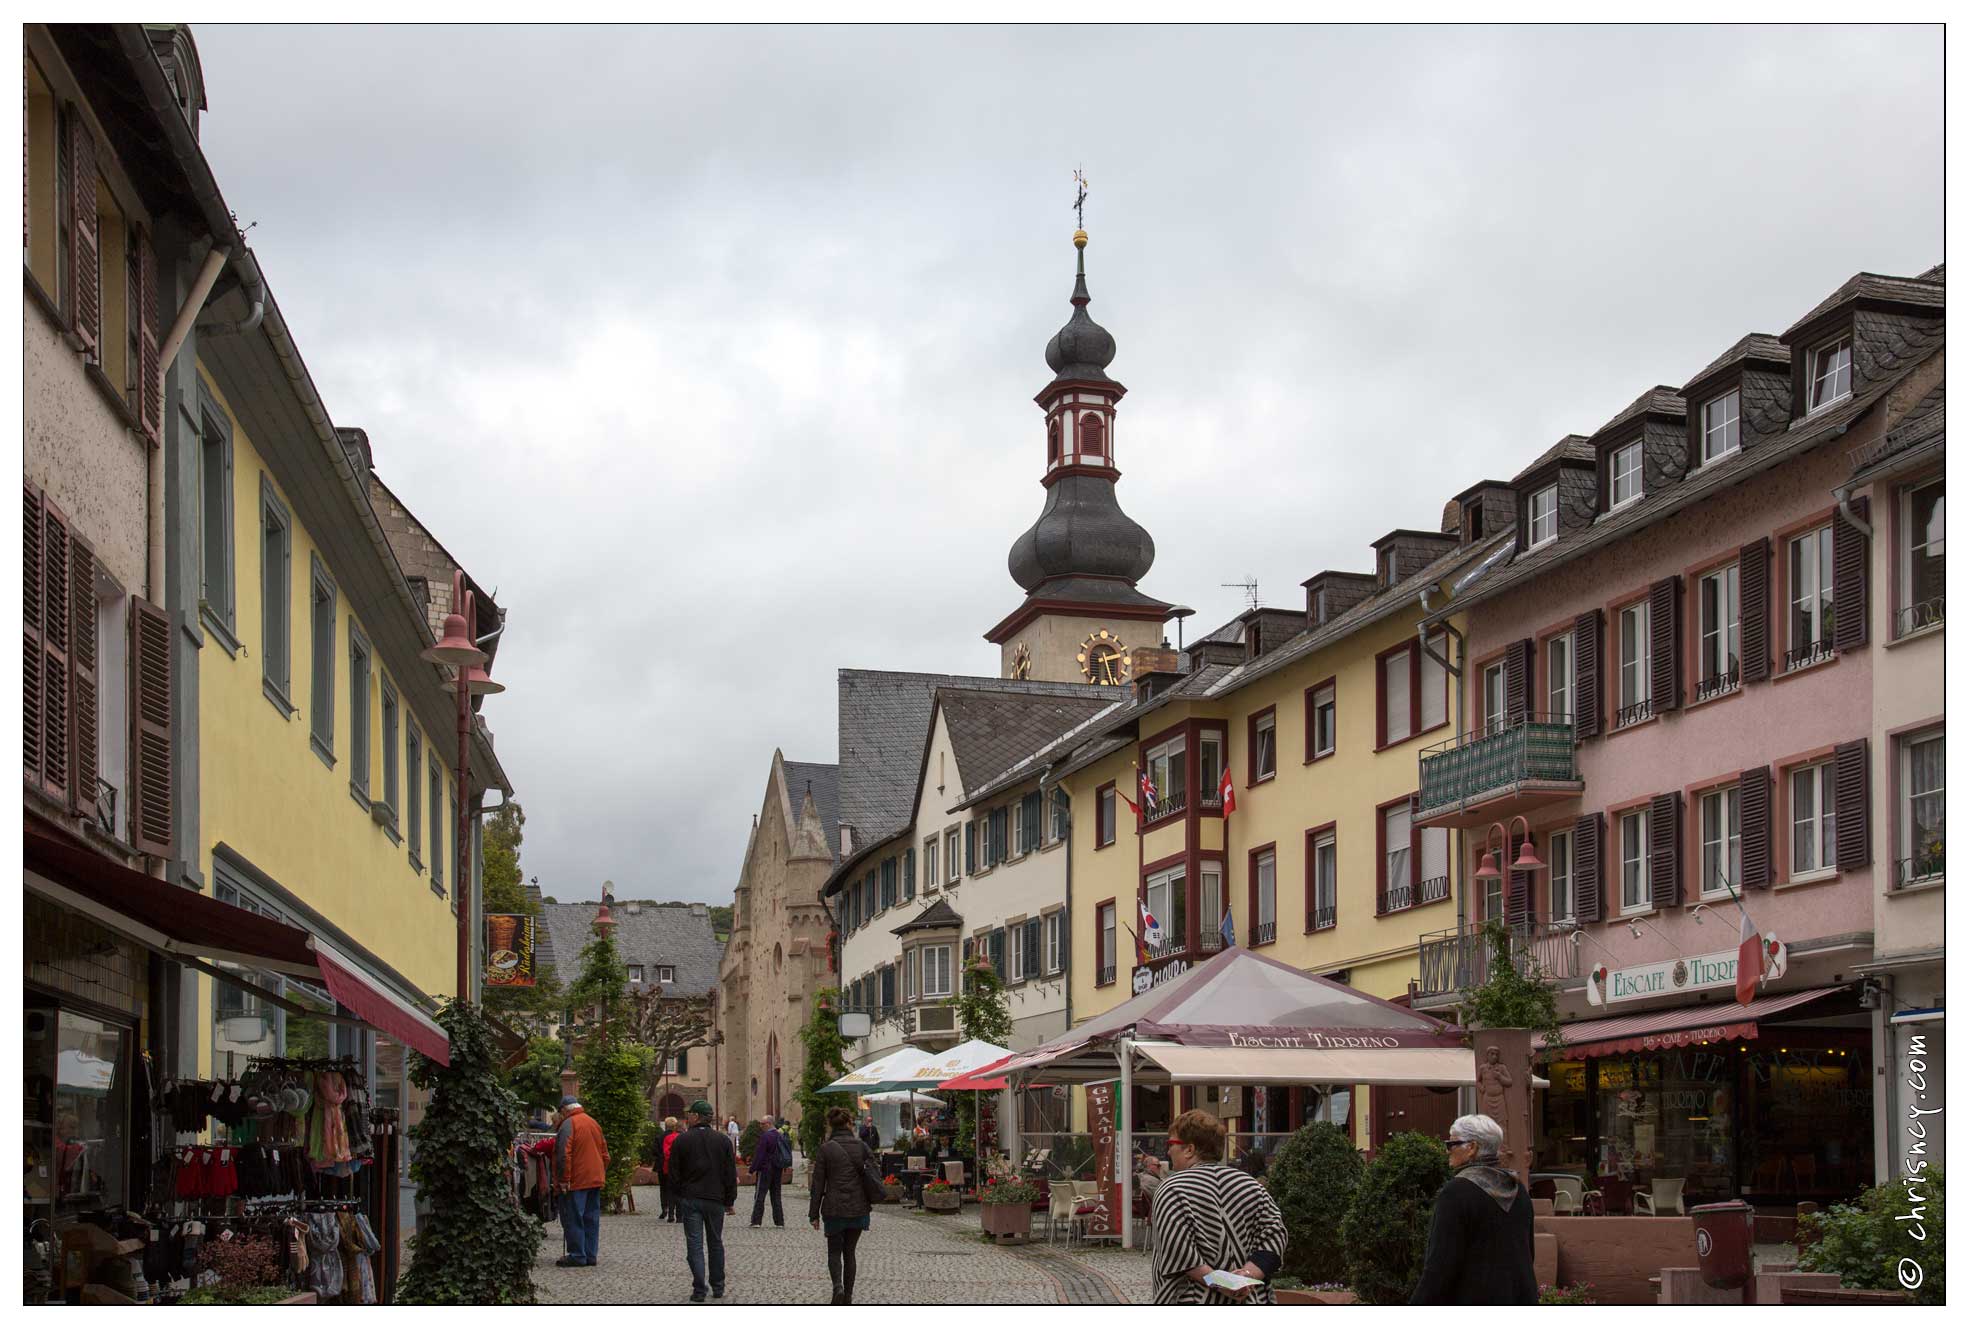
[1146, 978]
[1686, 973]
[509, 943]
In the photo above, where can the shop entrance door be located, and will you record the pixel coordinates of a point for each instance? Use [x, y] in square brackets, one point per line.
[1399, 1108]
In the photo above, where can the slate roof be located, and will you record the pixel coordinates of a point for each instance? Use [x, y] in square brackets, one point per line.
[883, 718]
[1658, 400]
[938, 915]
[672, 934]
[991, 730]
[824, 779]
[1573, 447]
[1923, 291]
[1923, 430]
[1756, 346]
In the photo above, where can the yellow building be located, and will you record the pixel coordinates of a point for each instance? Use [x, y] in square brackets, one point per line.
[327, 749]
[1319, 718]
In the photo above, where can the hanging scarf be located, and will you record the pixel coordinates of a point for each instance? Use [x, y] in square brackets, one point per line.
[1494, 1181]
[328, 1136]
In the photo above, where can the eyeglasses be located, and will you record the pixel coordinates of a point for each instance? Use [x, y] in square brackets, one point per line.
[1456, 1144]
[1173, 1143]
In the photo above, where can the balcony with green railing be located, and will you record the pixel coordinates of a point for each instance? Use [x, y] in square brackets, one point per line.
[1504, 770]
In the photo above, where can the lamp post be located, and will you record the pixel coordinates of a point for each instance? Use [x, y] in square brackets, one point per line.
[459, 650]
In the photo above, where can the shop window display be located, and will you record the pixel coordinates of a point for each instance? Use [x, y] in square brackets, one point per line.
[78, 1102]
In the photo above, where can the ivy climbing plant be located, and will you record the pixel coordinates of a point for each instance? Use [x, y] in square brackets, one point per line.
[476, 1248]
[826, 1062]
[982, 1013]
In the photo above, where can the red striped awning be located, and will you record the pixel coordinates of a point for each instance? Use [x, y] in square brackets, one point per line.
[1679, 1027]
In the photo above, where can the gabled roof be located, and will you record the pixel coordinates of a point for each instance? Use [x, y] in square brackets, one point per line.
[1573, 447]
[1920, 292]
[823, 780]
[989, 731]
[938, 915]
[678, 935]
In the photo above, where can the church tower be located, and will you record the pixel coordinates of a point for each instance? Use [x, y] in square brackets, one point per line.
[1080, 562]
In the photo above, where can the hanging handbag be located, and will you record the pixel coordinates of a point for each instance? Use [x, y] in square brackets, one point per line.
[872, 1188]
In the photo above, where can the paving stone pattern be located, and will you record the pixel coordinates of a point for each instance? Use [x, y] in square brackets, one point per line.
[904, 1259]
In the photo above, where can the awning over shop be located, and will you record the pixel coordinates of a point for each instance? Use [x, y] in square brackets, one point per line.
[198, 930]
[1317, 1066]
[1683, 1026]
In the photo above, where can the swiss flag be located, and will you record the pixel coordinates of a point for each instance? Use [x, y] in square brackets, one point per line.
[1750, 962]
[1133, 810]
[1227, 792]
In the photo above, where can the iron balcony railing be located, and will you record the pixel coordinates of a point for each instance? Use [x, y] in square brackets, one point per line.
[1166, 806]
[1924, 866]
[1716, 685]
[1458, 959]
[1915, 617]
[1104, 976]
[1400, 895]
[1325, 916]
[1432, 890]
[1633, 713]
[1808, 654]
[1264, 934]
[1210, 943]
[1479, 766]
[105, 807]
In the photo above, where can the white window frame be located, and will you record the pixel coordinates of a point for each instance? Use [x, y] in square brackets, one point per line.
[1722, 415]
[1542, 516]
[1266, 866]
[1432, 684]
[1719, 645]
[952, 863]
[1105, 828]
[1210, 897]
[1397, 666]
[1397, 865]
[1054, 930]
[635, 973]
[1158, 761]
[936, 970]
[1326, 878]
[1625, 464]
[1015, 950]
[1265, 732]
[1433, 852]
[1808, 589]
[1168, 882]
[1636, 887]
[1721, 844]
[1818, 776]
[1559, 866]
[1107, 936]
[930, 878]
[1326, 704]
[1559, 677]
[666, 973]
[1904, 813]
[1828, 385]
[1637, 654]
[1208, 783]
[1910, 542]
[1491, 697]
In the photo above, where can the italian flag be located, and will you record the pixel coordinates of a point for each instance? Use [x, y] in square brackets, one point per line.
[1750, 959]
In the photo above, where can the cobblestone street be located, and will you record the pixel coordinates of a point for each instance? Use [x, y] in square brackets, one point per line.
[904, 1259]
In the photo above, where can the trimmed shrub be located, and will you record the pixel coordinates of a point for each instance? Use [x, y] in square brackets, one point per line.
[1888, 1238]
[1313, 1177]
[1386, 1231]
[748, 1140]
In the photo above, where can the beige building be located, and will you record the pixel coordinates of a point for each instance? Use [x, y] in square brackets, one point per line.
[778, 954]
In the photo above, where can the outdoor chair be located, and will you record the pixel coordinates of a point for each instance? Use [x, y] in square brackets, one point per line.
[919, 1163]
[1664, 1196]
[1568, 1195]
[1061, 1203]
[953, 1172]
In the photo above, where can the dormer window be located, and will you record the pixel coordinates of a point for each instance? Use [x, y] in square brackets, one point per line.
[1319, 605]
[1542, 516]
[1387, 568]
[1832, 374]
[1722, 425]
[1624, 475]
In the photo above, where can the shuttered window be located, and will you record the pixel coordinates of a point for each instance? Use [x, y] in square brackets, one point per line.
[1923, 576]
[151, 793]
[1852, 844]
[148, 393]
[1812, 819]
[1559, 866]
[1754, 803]
[909, 873]
[888, 883]
[1062, 821]
[413, 766]
[1808, 591]
[998, 952]
[1722, 842]
[1754, 585]
[1034, 934]
[1558, 678]
[950, 856]
[1636, 666]
[1633, 862]
[392, 713]
[1019, 961]
[321, 660]
[276, 583]
[997, 831]
[1492, 699]
[358, 714]
[1718, 632]
[1056, 935]
[1519, 661]
[84, 242]
[1918, 856]
[1586, 636]
[1031, 809]
[1665, 850]
[1588, 867]
[215, 517]
[1850, 582]
[970, 847]
[1665, 645]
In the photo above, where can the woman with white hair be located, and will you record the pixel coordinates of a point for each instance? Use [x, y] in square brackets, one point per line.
[1480, 1236]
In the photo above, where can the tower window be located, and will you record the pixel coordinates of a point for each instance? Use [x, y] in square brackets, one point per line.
[1053, 444]
[1092, 430]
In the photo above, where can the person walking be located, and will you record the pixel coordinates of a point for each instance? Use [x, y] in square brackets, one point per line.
[706, 1169]
[1480, 1236]
[666, 1185]
[732, 1131]
[1209, 1217]
[580, 1167]
[770, 1159]
[837, 1203]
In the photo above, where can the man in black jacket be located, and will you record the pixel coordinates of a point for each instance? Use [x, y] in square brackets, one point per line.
[1480, 1235]
[706, 1172]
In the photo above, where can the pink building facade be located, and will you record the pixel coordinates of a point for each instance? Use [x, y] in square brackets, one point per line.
[1673, 681]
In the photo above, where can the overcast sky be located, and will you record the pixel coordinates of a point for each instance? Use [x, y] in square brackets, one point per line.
[713, 350]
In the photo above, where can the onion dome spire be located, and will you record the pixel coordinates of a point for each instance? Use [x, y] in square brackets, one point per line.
[1082, 349]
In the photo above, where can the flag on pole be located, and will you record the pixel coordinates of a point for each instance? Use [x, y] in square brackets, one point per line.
[1149, 797]
[1227, 795]
[1141, 951]
[1228, 929]
[1750, 960]
[1132, 809]
[1151, 930]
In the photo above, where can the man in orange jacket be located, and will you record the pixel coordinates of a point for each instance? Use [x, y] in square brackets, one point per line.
[580, 1166]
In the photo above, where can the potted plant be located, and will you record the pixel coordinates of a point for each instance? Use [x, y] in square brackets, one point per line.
[1005, 1208]
[893, 1185]
[940, 1198]
[748, 1141]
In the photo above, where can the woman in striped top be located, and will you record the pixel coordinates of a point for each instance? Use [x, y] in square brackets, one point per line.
[1207, 1217]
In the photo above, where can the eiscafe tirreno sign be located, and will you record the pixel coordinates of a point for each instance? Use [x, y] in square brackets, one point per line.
[1687, 973]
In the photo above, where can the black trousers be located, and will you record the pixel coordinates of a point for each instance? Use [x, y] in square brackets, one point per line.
[667, 1196]
[768, 1184]
[841, 1258]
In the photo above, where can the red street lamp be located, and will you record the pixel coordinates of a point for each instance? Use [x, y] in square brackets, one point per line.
[459, 650]
[1527, 860]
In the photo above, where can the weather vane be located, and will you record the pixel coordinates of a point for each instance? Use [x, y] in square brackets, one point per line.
[1079, 199]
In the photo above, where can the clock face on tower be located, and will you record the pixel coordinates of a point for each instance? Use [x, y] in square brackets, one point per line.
[1103, 659]
[1022, 661]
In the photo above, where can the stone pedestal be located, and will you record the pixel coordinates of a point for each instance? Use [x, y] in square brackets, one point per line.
[1504, 1074]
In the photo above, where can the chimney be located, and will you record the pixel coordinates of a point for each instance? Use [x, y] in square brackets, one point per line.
[633, 907]
[700, 911]
[1153, 669]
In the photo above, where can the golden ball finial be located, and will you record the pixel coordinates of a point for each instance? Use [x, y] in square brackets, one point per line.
[1080, 239]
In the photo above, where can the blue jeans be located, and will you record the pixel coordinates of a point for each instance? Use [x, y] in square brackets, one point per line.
[704, 1219]
[581, 1223]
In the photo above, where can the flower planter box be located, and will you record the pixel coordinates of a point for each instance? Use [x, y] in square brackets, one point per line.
[1008, 1222]
[745, 1177]
[895, 1193]
[941, 1202]
[1305, 1296]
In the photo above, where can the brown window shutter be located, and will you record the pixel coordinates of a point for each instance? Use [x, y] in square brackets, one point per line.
[1852, 838]
[1754, 821]
[83, 691]
[1414, 857]
[1665, 851]
[54, 652]
[1849, 581]
[1587, 636]
[151, 819]
[1517, 886]
[1754, 594]
[1380, 862]
[31, 705]
[1588, 878]
[1665, 644]
[1517, 680]
[150, 394]
[84, 245]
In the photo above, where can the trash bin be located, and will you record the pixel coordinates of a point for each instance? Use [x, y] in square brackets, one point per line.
[1723, 1242]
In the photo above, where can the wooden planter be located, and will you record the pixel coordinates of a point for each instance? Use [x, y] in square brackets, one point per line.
[1007, 1221]
[895, 1192]
[1305, 1296]
[745, 1177]
[941, 1202]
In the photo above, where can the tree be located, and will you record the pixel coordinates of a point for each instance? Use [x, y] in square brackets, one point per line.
[982, 1013]
[613, 1067]
[668, 1026]
[1386, 1230]
[826, 1062]
[1313, 1178]
[536, 1082]
[477, 1248]
[505, 893]
[1511, 997]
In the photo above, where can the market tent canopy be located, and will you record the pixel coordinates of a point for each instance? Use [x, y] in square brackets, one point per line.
[1255, 1010]
[875, 1077]
[1320, 1066]
[1684, 1026]
[199, 931]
